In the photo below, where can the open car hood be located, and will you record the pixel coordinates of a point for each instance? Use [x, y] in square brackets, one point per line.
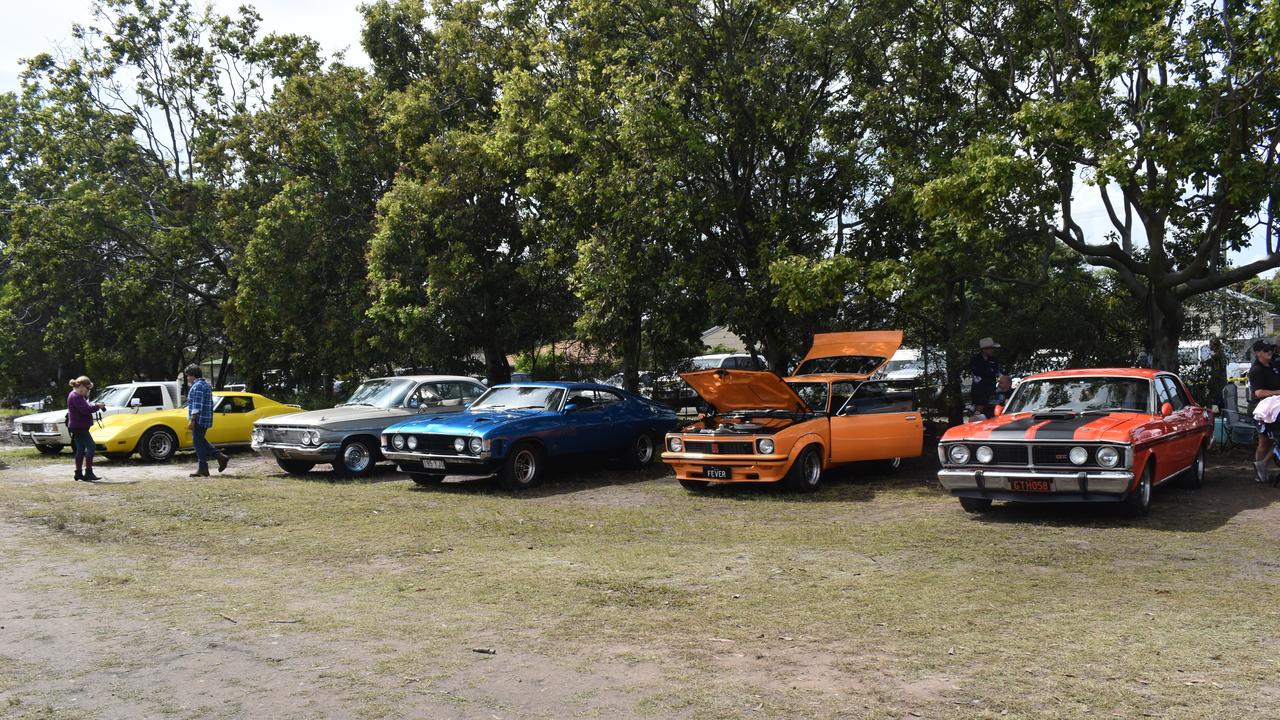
[733, 390]
[881, 344]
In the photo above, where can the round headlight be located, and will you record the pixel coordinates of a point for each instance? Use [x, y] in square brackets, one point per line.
[984, 454]
[1078, 456]
[315, 437]
[397, 442]
[959, 454]
[1108, 456]
[675, 444]
[765, 445]
[475, 445]
[459, 444]
[412, 442]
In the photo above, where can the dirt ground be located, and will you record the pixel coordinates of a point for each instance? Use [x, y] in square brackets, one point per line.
[63, 655]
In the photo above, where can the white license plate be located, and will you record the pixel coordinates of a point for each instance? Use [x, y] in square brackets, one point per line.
[433, 464]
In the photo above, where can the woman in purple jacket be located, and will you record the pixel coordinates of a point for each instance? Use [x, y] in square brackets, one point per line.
[79, 420]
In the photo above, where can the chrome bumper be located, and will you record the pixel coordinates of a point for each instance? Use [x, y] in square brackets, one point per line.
[400, 455]
[1075, 483]
[327, 452]
[40, 438]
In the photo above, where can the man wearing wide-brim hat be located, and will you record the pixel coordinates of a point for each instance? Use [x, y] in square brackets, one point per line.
[1264, 381]
[985, 369]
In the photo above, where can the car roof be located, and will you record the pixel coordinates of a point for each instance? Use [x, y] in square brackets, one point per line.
[563, 384]
[425, 378]
[1139, 373]
[720, 356]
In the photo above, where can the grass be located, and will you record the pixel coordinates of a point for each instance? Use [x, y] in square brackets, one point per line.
[876, 597]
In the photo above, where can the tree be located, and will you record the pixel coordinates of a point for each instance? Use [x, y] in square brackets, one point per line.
[456, 262]
[1168, 110]
[303, 289]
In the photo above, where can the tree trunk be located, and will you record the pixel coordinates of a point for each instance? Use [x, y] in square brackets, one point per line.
[496, 368]
[631, 353]
[1165, 319]
[955, 317]
[222, 369]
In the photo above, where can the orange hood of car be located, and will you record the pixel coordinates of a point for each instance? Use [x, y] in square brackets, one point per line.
[868, 343]
[732, 390]
[1111, 427]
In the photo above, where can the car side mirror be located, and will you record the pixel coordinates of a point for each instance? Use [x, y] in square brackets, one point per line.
[999, 411]
[571, 406]
[135, 402]
[1166, 410]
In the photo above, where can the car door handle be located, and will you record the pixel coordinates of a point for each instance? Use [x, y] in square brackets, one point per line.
[910, 418]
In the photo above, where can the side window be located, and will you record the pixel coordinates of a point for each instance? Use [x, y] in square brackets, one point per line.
[840, 394]
[149, 396]
[425, 395]
[1176, 398]
[880, 397]
[604, 397]
[814, 395]
[752, 363]
[471, 391]
[731, 363]
[236, 404]
[1162, 393]
[584, 399]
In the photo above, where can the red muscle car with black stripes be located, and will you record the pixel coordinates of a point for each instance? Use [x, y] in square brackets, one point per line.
[1107, 435]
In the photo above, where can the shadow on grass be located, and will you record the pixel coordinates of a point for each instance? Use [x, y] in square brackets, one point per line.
[562, 477]
[1227, 492]
[857, 482]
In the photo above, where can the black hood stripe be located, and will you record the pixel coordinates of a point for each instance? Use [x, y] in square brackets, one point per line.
[1065, 429]
[1016, 430]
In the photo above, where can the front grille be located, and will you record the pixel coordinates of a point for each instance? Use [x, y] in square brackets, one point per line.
[1056, 456]
[719, 448]
[434, 444]
[285, 435]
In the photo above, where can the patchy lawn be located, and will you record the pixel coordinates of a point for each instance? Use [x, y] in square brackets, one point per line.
[617, 594]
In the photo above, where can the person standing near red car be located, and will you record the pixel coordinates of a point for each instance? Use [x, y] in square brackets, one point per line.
[1264, 381]
[79, 419]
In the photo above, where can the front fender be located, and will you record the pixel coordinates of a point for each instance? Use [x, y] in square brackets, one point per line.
[804, 441]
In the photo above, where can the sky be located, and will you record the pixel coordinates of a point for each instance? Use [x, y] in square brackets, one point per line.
[34, 27]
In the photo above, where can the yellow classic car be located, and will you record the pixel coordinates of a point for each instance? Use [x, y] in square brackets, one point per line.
[158, 435]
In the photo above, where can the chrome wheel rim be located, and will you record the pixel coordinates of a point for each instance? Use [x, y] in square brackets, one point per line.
[644, 449]
[895, 463]
[1200, 466]
[356, 457]
[1145, 490]
[160, 445]
[812, 469]
[526, 466]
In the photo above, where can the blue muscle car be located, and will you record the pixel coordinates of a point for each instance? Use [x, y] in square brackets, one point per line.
[512, 430]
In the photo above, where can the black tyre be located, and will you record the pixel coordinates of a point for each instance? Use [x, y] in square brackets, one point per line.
[295, 467]
[158, 444]
[806, 472]
[1139, 501]
[975, 505]
[356, 458]
[641, 452]
[49, 449]
[1193, 477]
[522, 468]
[426, 479]
[695, 485]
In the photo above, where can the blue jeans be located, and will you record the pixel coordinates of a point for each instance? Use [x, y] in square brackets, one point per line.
[204, 450]
[82, 442]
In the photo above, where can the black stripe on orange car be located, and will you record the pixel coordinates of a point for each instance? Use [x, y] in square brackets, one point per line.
[1065, 429]
[1015, 430]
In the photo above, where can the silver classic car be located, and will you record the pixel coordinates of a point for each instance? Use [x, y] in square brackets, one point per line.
[348, 436]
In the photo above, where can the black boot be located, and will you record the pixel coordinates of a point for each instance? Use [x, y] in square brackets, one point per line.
[222, 461]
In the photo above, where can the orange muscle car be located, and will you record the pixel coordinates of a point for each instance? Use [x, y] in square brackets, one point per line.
[761, 428]
[1080, 436]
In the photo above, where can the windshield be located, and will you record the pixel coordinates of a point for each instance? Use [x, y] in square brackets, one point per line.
[843, 365]
[1081, 395]
[813, 394]
[516, 397]
[899, 365]
[380, 393]
[115, 396]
